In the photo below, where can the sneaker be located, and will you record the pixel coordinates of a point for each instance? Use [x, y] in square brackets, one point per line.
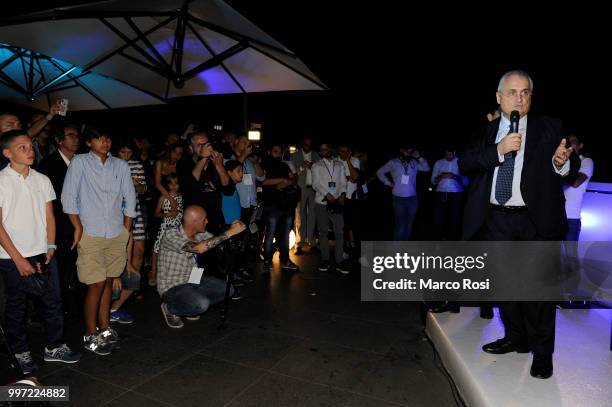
[266, 267]
[25, 362]
[121, 316]
[244, 276]
[62, 354]
[109, 335]
[343, 267]
[173, 321]
[324, 266]
[193, 318]
[289, 265]
[96, 344]
[237, 294]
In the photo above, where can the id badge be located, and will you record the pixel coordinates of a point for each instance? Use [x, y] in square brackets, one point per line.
[405, 179]
[331, 185]
[196, 275]
[247, 179]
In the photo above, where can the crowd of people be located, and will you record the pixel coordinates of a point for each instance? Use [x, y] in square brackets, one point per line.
[89, 218]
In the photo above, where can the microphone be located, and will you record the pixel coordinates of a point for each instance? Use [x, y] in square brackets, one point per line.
[514, 125]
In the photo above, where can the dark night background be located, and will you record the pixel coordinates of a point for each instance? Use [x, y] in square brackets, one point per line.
[427, 75]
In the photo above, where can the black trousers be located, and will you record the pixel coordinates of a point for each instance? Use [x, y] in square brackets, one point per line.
[527, 322]
[447, 215]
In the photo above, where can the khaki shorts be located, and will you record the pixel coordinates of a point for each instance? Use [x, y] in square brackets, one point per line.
[101, 258]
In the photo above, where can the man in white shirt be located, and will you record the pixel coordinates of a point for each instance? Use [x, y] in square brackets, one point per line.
[402, 181]
[574, 191]
[302, 162]
[449, 192]
[329, 184]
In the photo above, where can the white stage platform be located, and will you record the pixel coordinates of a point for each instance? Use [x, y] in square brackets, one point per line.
[582, 361]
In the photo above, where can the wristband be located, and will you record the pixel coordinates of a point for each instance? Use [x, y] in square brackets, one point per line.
[52, 246]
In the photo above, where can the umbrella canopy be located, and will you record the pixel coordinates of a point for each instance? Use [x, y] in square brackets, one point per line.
[144, 53]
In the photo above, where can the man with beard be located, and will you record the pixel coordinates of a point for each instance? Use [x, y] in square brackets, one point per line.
[280, 198]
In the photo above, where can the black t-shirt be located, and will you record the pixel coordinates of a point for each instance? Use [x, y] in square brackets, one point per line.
[205, 192]
[286, 198]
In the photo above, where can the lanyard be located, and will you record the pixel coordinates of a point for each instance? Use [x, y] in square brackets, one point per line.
[331, 173]
[406, 166]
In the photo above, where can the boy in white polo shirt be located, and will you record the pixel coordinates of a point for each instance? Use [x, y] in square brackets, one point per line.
[27, 236]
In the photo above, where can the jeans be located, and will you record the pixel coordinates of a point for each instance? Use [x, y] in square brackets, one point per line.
[573, 230]
[278, 224]
[404, 209]
[571, 260]
[447, 215]
[194, 299]
[16, 307]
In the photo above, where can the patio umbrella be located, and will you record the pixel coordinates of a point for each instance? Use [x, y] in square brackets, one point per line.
[130, 53]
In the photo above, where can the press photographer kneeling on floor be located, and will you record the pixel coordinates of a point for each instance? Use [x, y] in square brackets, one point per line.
[182, 285]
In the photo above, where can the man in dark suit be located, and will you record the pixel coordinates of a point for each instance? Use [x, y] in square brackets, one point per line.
[516, 194]
[55, 166]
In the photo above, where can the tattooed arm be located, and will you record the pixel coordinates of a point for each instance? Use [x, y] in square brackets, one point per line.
[206, 245]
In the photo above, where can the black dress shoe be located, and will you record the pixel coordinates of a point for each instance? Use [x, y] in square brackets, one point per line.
[542, 366]
[503, 346]
[486, 312]
[447, 306]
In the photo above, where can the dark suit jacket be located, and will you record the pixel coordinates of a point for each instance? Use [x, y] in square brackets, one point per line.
[55, 168]
[541, 186]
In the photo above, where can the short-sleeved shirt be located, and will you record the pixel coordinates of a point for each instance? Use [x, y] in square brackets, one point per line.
[24, 210]
[574, 195]
[175, 264]
[230, 203]
[351, 186]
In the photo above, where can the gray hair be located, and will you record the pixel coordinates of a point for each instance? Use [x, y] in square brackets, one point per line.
[516, 72]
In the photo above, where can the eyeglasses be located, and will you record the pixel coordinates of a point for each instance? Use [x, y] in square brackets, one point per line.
[513, 94]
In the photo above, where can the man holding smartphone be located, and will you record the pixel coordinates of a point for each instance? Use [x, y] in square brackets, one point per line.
[27, 246]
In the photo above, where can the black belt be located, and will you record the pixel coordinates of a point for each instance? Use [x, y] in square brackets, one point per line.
[508, 209]
[309, 186]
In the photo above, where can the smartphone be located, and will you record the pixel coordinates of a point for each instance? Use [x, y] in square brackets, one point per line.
[63, 104]
[42, 260]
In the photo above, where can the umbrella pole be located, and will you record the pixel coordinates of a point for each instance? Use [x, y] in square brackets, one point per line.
[245, 113]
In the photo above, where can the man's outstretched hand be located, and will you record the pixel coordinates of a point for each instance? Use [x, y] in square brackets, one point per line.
[562, 154]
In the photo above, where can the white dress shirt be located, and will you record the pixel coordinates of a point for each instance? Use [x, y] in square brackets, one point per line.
[308, 157]
[325, 171]
[447, 184]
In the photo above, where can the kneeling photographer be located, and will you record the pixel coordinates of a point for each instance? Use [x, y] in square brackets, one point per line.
[184, 289]
[280, 198]
[329, 183]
